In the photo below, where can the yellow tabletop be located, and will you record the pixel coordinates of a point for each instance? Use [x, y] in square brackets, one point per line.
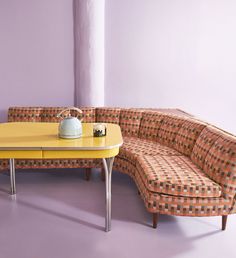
[41, 141]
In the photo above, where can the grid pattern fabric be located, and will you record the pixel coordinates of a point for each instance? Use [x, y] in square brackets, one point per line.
[130, 121]
[49, 114]
[24, 114]
[124, 166]
[175, 175]
[182, 206]
[220, 163]
[150, 124]
[203, 144]
[168, 130]
[134, 147]
[51, 163]
[108, 115]
[187, 136]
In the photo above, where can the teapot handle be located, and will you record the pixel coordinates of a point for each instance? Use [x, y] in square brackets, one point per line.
[79, 111]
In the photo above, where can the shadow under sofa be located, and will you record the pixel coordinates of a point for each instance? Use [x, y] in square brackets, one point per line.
[182, 166]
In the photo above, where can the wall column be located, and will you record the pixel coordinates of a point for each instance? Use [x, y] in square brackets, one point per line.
[89, 23]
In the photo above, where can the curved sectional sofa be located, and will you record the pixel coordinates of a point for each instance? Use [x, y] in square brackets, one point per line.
[182, 166]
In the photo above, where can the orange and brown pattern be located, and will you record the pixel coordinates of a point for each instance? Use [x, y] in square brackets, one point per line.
[150, 124]
[108, 115]
[24, 114]
[134, 147]
[182, 206]
[169, 182]
[130, 121]
[220, 163]
[168, 130]
[88, 115]
[175, 175]
[52, 163]
[203, 144]
[187, 136]
[124, 166]
[49, 114]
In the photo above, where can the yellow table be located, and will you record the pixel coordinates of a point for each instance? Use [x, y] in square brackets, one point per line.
[40, 141]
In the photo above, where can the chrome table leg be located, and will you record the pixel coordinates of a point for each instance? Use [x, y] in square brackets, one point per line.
[12, 176]
[108, 163]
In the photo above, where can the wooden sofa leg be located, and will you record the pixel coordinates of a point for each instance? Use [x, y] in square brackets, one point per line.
[154, 220]
[103, 174]
[87, 174]
[224, 221]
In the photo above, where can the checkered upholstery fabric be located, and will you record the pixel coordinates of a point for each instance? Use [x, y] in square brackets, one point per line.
[130, 121]
[24, 114]
[54, 163]
[187, 136]
[88, 115]
[49, 114]
[134, 147]
[124, 166]
[220, 163]
[150, 124]
[154, 143]
[203, 144]
[181, 205]
[168, 130]
[175, 175]
[108, 115]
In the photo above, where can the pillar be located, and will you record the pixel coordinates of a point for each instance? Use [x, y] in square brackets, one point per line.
[89, 25]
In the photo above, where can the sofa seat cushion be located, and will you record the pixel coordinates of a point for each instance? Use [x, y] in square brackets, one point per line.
[175, 175]
[182, 205]
[134, 147]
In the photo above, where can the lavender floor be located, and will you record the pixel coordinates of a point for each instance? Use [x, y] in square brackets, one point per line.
[59, 214]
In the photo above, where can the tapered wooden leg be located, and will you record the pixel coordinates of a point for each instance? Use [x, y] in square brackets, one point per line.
[103, 174]
[224, 221]
[87, 174]
[154, 220]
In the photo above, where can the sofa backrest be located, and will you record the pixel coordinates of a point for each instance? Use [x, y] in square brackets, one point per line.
[150, 124]
[49, 114]
[220, 163]
[130, 121]
[46, 114]
[187, 135]
[169, 128]
[24, 114]
[108, 115]
[204, 142]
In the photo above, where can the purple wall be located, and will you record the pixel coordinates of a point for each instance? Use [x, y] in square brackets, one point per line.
[173, 54]
[36, 53]
[157, 54]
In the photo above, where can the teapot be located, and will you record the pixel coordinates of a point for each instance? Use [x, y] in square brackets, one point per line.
[70, 127]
